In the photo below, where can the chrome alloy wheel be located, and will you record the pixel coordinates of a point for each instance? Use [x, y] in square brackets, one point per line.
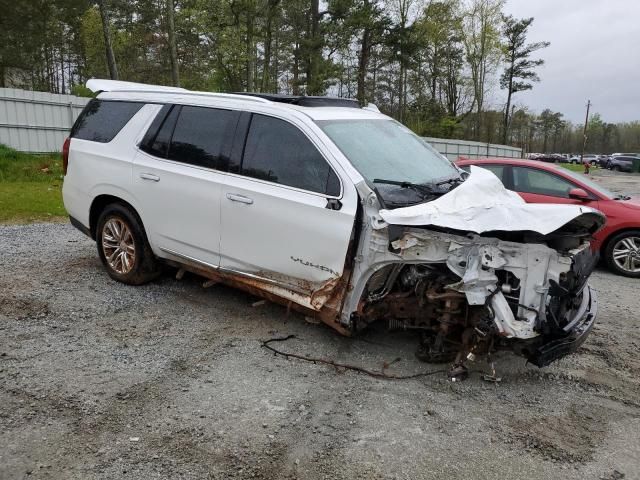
[118, 246]
[626, 253]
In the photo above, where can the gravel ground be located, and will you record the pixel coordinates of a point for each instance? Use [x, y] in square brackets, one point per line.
[168, 380]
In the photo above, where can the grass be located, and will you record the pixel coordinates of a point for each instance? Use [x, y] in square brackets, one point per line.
[572, 167]
[30, 186]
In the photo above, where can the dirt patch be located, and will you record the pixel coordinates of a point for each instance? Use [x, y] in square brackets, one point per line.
[572, 437]
[22, 308]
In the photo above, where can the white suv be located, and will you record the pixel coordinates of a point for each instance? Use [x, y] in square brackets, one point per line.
[338, 211]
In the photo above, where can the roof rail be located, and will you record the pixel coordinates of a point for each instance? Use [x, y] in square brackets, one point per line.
[304, 100]
[99, 85]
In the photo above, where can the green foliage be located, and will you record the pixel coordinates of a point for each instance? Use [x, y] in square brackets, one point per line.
[30, 186]
[30, 201]
[520, 68]
[17, 166]
[81, 91]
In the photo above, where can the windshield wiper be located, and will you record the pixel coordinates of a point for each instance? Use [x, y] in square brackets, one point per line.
[622, 197]
[451, 180]
[417, 187]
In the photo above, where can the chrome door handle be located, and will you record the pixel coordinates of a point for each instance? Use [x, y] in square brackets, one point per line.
[150, 176]
[239, 198]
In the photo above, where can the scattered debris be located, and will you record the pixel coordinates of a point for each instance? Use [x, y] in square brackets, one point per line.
[180, 274]
[259, 303]
[209, 283]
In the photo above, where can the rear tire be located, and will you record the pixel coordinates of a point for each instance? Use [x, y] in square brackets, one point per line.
[123, 246]
[622, 253]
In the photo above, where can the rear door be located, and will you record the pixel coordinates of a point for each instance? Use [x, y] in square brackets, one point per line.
[286, 214]
[178, 180]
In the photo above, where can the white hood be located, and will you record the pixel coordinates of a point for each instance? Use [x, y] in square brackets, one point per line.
[483, 204]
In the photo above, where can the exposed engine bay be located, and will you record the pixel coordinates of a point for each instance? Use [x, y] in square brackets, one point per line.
[477, 295]
[468, 294]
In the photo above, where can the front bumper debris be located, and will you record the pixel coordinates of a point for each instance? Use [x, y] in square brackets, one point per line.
[553, 347]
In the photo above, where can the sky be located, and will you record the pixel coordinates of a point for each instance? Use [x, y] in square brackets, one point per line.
[594, 54]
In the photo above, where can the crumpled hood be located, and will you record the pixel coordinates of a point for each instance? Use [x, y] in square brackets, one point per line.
[483, 204]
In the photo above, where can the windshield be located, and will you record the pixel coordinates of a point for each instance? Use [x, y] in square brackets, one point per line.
[386, 150]
[581, 177]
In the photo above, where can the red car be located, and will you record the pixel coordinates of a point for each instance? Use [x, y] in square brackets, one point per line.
[618, 241]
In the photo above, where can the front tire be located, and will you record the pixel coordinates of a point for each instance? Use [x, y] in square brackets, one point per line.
[123, 246]
[622, 254]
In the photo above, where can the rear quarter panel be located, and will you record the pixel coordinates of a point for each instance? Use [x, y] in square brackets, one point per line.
[103, 168]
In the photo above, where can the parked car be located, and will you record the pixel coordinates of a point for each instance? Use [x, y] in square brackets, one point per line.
[339, 212]
[552, 158]
[621, 164]
[637, 155]
[618, 242]
[591, 159]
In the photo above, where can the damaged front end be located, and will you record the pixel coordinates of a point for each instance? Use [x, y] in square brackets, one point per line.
[472, 293]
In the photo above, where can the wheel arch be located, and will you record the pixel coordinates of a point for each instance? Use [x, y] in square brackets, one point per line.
[615, 233]
[100, 203]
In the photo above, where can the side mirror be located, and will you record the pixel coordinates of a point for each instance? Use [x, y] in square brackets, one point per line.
[579, 194]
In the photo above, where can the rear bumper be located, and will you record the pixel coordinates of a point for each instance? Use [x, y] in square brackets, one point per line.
[78, 224]
[554, 347]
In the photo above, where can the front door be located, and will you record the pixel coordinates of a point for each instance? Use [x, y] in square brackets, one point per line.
[286, 216]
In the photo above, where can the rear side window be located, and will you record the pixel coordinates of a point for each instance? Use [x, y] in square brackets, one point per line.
[279, 152]
[157, 139]
[101, 120]
[201, 134]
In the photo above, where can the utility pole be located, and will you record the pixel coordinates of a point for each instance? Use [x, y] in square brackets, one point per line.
[584, 133]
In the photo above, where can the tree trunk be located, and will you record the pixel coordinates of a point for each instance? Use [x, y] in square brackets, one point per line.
[296, 70]
[106, 31]
[363, 65]
[63, 89]
[173, 49]
[505, 125]
[314, 83]
[250, 52]
[267, 45]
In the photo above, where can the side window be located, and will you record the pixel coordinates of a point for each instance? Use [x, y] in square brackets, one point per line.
[497, 170]
[156, 140]
[101, 120]
[278, 152]
[529, 180]
[200, 135]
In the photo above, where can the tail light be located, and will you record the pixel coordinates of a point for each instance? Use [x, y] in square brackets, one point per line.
[65, 155]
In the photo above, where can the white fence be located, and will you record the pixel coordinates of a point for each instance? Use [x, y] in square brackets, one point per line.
[37, 121]
[454, 149]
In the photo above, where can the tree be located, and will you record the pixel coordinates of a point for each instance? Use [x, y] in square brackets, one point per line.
[482, 47]
[106, 31]
[173, 50]
[519, 72]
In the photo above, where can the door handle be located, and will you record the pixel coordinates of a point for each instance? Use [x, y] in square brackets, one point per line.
[150, 176]
[234, 197]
